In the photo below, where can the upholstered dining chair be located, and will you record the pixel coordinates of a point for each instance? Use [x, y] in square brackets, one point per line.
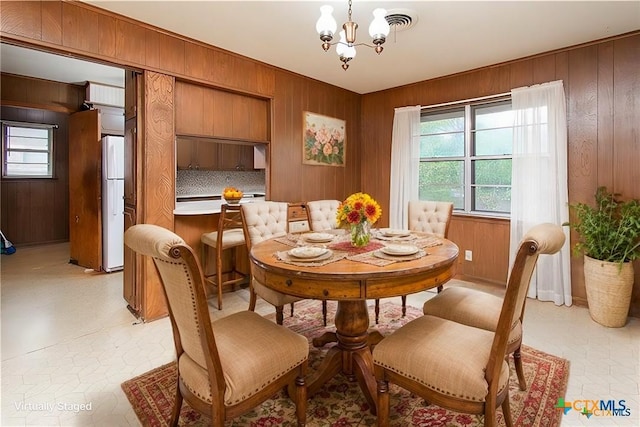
[479, 309]
[262, 221]
[225, 367]
[322, 214]
[426, 216]
[456, 366]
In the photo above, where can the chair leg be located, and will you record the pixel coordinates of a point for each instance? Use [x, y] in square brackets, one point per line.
[177, 406]
[517, 361]
[252, 296]
[506, 411]
[279, 314]
[291, 309]
[301, 401]
[383, 403]
[219, 278]
[324, 312]
[404, 305]
[377, 310]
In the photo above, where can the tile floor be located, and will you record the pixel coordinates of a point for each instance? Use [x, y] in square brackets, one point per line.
[68, 342]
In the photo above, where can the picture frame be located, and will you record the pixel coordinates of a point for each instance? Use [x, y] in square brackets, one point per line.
[324, 140]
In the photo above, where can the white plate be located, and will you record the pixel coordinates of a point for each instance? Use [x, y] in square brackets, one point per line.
[391, 232]
[306, 252]
[400, 250]
[318, 237]
[322, 257]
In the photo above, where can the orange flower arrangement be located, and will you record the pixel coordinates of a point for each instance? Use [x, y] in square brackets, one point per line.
[357, 209]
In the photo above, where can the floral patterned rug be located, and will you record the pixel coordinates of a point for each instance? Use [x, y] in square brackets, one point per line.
[341, 403]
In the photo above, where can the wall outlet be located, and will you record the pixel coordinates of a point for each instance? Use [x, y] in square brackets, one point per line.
[468, 255]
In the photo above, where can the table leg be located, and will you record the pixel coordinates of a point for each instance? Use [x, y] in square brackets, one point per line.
[352, 354]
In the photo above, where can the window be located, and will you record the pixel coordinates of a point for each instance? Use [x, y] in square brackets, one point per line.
[465, 156]
[27, 150]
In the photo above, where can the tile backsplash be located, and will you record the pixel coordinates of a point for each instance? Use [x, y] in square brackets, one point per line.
[207, 183]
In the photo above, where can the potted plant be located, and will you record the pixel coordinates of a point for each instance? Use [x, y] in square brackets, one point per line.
[610, 241]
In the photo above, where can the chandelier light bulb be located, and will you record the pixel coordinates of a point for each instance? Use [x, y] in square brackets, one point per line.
[326, 25]
[379, 28]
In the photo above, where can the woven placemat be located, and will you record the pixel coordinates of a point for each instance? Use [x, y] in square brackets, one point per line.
[286, 258]
[383, 259]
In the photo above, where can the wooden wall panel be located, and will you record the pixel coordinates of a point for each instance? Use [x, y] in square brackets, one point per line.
[626, 124]
[40, 94]
[22, 18]
[159, 155]
[51, 15]
[130, 42]
[158, 180]
[77, 23]
[290, 179]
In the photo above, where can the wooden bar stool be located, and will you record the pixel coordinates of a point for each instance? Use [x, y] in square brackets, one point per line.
[230, 235]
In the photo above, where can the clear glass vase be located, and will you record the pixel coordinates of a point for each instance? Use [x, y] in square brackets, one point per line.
[360, 234]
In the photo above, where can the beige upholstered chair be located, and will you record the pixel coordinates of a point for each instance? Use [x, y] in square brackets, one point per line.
[227, 367]
[456, 366]
[229, 235]
[262, 221]
[427, 217]
[322, 214]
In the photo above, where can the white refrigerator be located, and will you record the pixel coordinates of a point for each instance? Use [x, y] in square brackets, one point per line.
[112, 203]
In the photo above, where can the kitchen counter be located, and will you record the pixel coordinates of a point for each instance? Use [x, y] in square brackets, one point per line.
[207, 207]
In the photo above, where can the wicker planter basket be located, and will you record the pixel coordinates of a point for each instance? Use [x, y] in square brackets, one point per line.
[608, 291]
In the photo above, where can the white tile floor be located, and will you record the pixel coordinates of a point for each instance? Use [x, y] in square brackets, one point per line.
[68, 342]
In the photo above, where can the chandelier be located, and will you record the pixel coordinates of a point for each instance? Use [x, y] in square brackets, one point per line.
[346, 46]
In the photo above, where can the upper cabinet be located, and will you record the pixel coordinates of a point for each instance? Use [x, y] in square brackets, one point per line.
[207, 112]
[196, 154]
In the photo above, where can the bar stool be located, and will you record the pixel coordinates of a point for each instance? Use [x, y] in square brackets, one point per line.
[230, 235]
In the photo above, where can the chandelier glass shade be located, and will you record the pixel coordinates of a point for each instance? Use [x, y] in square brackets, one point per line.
[326, 27]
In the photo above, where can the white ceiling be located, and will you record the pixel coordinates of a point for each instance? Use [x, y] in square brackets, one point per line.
[447, 37]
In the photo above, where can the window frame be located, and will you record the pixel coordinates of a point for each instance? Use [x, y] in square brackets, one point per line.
[50, 149]
[469, 157]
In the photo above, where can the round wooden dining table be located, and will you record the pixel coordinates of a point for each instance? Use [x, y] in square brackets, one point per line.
[351, 283]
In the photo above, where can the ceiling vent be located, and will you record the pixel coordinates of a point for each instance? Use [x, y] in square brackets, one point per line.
[401, 19]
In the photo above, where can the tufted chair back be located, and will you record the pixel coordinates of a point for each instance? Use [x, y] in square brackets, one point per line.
[322, 214]
[430, 217]
[264, 220]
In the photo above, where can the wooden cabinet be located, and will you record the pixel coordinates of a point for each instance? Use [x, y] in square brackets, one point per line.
[130, 162]
[130, 94]
[235, 157]
[196, 154]
[85, 189]
[132, 268]
[202, 111]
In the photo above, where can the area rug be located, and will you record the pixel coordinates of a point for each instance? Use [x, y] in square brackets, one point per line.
[341, 403]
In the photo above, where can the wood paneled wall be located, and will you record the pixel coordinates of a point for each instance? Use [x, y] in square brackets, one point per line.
[36, 211]
[29, 92]
[292, 181]
[79, 28]
[602, 87]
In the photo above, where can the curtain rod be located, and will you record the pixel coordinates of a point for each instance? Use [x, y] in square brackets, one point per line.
[465, 101]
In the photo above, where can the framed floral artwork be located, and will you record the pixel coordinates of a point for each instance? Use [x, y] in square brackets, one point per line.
[324, 140]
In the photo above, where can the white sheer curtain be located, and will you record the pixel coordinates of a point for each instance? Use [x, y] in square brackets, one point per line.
[405, 159]
[539, 191]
